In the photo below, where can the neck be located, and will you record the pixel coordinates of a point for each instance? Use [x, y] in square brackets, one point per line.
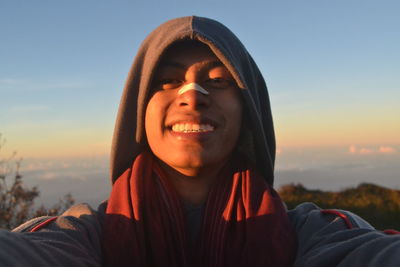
[193, 189]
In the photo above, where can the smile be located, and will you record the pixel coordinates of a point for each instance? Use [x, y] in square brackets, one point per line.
[191, 128]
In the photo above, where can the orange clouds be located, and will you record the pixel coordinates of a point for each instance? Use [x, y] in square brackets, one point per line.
[368, 151]
[387, 150]
[352, 149]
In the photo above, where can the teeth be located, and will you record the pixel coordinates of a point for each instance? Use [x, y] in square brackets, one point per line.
[192, 128]
[195, 127]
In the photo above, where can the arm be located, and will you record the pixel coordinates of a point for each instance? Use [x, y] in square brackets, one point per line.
[339, 238]
[72, 239]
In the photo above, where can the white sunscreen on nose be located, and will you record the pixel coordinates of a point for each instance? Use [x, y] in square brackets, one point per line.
[192, 86]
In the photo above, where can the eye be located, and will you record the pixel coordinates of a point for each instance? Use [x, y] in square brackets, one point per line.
[167, 84]
[219, 82]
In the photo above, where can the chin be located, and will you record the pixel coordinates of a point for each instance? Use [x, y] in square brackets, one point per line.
[196, 165]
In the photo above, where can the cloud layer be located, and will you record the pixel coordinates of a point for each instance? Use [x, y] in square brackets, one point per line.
[353, 149]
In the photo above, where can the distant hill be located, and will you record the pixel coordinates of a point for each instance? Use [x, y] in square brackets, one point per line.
[378, 205]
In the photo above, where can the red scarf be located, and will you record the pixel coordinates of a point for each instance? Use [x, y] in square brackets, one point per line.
[244, 223]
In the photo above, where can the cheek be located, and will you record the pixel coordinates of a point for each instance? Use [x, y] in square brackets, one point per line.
[156, 112]
[232, 107]
[153, 119]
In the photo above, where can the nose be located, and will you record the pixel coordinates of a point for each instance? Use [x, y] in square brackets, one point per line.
[193, 86]
[193, 99]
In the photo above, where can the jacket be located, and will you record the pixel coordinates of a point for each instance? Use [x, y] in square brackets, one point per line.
[325, 238]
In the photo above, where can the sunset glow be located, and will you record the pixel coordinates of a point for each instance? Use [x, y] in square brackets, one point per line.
[332, 70]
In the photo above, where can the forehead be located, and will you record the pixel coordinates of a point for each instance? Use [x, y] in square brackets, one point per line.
[187, 53]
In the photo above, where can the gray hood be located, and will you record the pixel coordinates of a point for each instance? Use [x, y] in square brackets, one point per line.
[129, 134]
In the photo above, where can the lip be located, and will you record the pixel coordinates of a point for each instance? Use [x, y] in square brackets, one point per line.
[192, 136]
[193, 120]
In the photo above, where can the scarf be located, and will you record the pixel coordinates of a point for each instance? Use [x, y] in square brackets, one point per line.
[244, 221]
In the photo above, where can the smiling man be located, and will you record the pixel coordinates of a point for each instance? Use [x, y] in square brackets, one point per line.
[193, 131]
[196, 196]
[192, 171]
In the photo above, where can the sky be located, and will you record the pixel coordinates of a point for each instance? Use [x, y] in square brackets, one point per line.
[332, 69]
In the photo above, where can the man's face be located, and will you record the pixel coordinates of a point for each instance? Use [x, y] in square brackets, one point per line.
[193, 132]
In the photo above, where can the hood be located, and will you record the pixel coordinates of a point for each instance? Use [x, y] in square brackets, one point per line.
[129, 134]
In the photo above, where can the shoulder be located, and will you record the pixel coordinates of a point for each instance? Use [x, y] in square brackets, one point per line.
[79, 226]
[340, 238]
[74, 218]
[71, 239]
[308, 216]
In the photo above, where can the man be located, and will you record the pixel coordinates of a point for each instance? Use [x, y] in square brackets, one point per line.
[197, 197]
[192, 171]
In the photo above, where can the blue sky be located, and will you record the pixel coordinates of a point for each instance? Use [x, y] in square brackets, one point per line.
[332, 68]
[64, 64]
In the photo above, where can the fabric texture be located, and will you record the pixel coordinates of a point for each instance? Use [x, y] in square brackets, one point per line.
[129, 136]
[244, 224]
[74, 240]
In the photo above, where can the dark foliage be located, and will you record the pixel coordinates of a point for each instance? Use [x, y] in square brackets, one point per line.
[378, 205]
[17, 200]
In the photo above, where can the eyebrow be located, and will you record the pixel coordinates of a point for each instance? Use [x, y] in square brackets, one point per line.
[209, 64]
